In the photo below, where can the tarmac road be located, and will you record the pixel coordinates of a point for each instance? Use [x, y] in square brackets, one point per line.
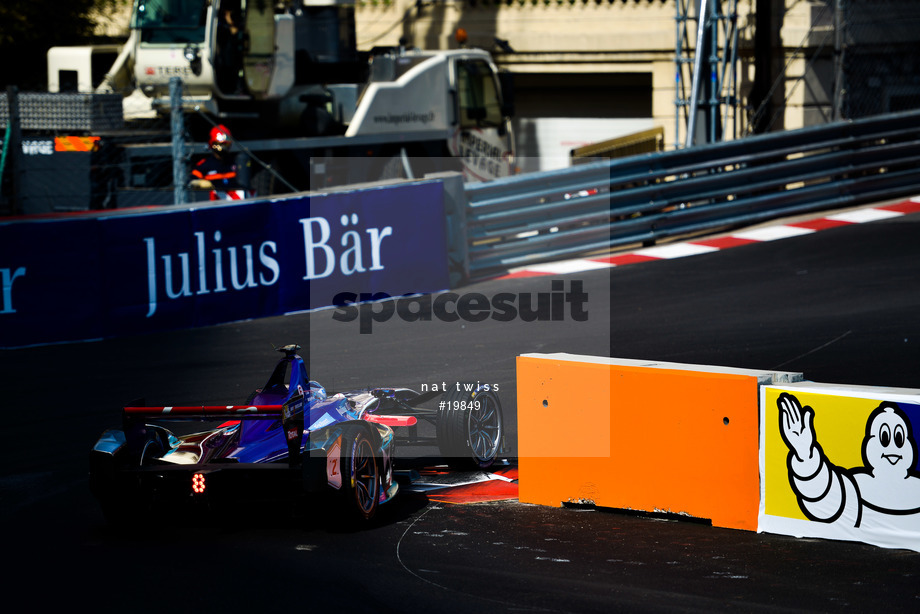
[840, 305]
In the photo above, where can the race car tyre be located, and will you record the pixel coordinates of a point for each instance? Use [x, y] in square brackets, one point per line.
[470, 426]
[122, 508]
[360, 472]
[102, 483]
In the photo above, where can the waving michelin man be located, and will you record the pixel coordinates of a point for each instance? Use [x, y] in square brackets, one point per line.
[884, 493]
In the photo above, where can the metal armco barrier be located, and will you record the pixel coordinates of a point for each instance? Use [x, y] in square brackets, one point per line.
[644, 199]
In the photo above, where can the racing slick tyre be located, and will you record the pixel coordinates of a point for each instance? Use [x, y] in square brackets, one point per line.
[121, 504]
[116, 509]
[360, 473]
[470, 426]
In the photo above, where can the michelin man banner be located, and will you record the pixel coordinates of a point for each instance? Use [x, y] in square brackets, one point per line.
[841, 463]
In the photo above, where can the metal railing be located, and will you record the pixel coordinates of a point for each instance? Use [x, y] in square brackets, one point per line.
[645, 199]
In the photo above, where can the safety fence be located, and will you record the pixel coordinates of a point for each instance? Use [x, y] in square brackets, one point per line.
[77, 153]
[876, 55]
[655, 197]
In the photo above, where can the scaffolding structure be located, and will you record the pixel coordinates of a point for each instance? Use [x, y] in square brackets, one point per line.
[706, 58]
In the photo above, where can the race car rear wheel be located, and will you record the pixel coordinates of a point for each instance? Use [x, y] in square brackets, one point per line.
[123, 505]
[361, 472]
[103, 482]
[470, 426]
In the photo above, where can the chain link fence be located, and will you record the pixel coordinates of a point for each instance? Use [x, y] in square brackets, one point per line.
[81, 152]
[858, 58]
[879, 56]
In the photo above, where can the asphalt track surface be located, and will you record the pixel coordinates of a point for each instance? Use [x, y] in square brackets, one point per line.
[840, 305]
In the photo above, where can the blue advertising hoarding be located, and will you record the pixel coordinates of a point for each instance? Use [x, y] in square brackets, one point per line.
[78, 278]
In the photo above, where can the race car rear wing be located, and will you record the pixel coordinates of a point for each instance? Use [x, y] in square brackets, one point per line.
[241, 411]
[291, 413]
[204, 411]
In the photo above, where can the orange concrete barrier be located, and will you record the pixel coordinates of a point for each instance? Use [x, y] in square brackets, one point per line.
[640, 435]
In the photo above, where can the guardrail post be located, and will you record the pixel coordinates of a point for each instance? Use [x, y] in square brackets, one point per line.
[455, 204]
[177, 124]
[12, 152]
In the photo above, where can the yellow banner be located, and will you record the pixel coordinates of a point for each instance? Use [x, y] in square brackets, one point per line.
[841, 465]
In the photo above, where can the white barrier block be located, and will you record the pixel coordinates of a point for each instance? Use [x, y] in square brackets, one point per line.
[840, 462]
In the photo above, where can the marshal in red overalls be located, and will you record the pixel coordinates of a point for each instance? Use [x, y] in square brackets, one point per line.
[221, 172]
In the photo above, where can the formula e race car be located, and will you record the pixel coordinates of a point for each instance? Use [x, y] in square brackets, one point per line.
[290, 438]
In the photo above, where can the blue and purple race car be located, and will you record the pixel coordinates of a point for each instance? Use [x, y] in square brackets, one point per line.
[290, 438]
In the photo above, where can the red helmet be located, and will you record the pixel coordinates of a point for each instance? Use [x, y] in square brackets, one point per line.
[220, 139]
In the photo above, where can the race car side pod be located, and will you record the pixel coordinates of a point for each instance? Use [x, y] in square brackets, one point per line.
[292, 420]
[422, 398]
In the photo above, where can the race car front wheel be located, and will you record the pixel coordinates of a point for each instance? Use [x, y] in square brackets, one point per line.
[470, 426]
[361, 472]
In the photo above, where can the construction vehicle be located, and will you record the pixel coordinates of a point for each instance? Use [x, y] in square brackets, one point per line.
[308, 107]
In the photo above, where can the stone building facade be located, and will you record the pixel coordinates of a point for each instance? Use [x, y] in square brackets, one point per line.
[588, 70]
